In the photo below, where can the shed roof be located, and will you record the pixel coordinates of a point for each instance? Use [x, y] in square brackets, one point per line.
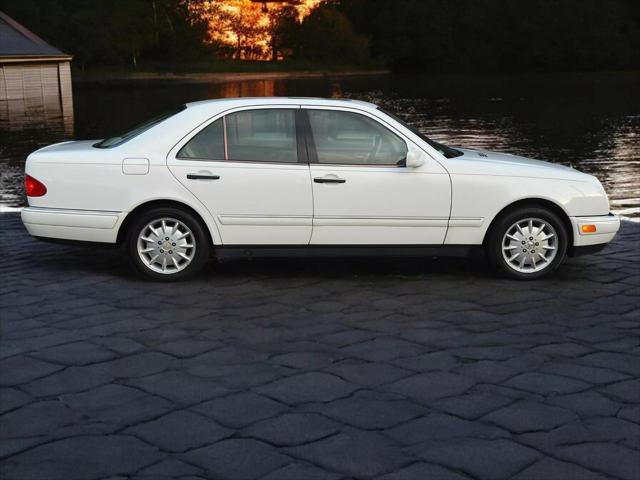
[18, 41]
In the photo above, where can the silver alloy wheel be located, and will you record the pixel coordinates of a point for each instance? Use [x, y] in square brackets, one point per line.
[166, 245]
[530, 245]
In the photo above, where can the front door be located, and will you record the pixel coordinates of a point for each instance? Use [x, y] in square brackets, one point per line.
[249, 172]
[363, 193]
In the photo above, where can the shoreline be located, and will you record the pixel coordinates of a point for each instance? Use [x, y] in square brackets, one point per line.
[222, 77]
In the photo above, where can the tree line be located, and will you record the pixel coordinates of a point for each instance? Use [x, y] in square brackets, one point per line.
[424, 35]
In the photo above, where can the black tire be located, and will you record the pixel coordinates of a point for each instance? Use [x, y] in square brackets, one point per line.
[494, 245]
[201, 246]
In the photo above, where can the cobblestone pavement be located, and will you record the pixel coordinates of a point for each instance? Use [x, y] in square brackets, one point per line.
[399, 369]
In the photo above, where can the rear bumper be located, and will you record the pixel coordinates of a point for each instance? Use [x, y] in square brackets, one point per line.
[66, 224]
[606, 228]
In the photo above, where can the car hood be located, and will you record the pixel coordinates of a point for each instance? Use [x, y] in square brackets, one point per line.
[483, 162]
[510, 159]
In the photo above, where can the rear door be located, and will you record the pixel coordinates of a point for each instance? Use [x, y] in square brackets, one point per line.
[250, 169]
[363, 192]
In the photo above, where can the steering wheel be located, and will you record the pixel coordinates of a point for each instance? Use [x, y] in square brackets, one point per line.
[377, 144]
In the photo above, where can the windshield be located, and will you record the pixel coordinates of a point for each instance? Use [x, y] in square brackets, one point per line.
[123, 137]
[443, 149]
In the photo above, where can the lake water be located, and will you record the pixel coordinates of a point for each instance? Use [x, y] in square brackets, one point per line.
[589, 121]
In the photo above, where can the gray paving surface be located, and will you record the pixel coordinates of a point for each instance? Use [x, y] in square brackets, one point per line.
[401, 369]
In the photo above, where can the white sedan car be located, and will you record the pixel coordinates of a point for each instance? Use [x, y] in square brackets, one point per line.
[284, 175]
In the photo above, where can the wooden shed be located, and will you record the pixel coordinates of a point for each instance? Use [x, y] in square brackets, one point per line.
[34, 76]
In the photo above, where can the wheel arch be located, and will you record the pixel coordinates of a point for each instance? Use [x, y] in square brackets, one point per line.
[122, 231]
[535, 202]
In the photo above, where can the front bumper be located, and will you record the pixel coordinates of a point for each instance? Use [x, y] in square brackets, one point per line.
[606, 227]
[66, 224]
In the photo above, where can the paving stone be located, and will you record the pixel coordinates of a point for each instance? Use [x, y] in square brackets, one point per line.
[526, 416]
[551, 469]
[138, 365]
[71, 379]
[369, 411]
[180, 387]
[244, 376]
[169, 468]
[37, 418]
[353, 453]
[429, 361]
[121, 345]
[21, 369]
[367, 374]
[306, 360]
[479, 458]
[424, 471]
[630, 413]
[621, 362]
[237, 459]
[546, 384]
[116, 404]
[614, 459]
[10, 398]
[616, 430]
[188, 347]
[241, 409]
[76, 353]
[627, 391]
[586, 404]
[472, 405]
[299, 471]
[564, 349]
[180, 431]
[571, 434]
[438, 426]
[383, 348]
[588, 374]
[307, 387]
[431, 386]
[293, 429]
[441, 347]
[82, 458]
[488, 371]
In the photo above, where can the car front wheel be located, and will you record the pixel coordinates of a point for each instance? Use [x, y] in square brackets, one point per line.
[527, 243]
[167, 244]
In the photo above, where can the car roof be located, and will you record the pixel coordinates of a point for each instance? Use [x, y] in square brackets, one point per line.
[250, 101]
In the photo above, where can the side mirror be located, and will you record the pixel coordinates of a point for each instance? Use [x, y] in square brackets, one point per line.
[415, 158]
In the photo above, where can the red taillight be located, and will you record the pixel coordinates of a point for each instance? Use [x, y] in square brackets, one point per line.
[33, 187]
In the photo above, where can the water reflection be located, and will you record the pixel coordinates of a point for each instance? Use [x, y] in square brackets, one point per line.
[590, 121]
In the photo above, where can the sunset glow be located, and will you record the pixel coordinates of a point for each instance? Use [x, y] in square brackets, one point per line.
[244, 25]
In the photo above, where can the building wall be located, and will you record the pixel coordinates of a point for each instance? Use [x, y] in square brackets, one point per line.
[36, 91]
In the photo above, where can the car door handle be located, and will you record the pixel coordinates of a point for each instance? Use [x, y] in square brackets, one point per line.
[329, 180]
[198, 176]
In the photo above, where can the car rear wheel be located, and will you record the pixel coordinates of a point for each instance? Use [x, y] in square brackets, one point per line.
[167, 244]
[527, 243]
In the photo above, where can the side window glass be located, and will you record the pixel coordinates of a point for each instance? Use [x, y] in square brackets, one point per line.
[208, 144]
[266, 135]
[351, 139]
